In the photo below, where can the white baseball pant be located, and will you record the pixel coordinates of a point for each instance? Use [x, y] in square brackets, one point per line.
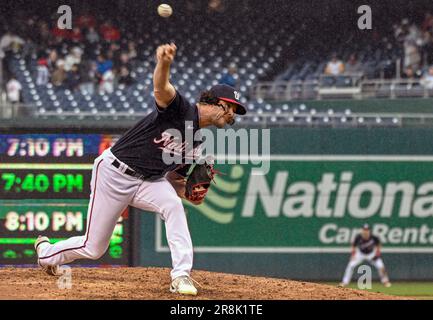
[111, 192]
[360, 257]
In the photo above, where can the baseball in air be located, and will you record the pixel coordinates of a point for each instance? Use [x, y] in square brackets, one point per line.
[164, 10]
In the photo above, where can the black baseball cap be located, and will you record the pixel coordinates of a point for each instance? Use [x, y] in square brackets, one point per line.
[227, 93]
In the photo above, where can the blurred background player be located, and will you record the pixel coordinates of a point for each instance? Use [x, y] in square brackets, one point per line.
[366, 247]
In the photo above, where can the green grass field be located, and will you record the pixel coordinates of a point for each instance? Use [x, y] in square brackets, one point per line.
[419, 290]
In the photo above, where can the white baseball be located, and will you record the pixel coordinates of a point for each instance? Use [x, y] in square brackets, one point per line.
[164, 10]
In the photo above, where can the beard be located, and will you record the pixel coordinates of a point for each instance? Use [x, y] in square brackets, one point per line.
[222, 118]
[222, 122]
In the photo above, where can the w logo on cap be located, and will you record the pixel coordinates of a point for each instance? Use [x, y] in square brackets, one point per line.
[237, 95]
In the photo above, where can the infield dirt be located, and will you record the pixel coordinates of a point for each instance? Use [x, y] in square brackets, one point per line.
[153, 283]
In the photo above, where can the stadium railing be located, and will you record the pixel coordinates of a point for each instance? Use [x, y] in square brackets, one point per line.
[341, 87]
[270, 119]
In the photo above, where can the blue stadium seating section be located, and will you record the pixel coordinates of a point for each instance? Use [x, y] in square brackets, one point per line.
[203, 57]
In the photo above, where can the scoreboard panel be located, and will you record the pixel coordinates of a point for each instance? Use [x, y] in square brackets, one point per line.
[44, 190]
[63, 181]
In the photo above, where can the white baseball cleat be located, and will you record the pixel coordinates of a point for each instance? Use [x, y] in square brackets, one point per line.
[342, 285]
[51, 270]
[387, 284]
[183, 285]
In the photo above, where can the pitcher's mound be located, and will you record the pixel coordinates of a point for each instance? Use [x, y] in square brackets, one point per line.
[153, 283]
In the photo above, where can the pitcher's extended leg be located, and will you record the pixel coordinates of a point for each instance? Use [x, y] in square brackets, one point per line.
[159, 196]
[110, 195]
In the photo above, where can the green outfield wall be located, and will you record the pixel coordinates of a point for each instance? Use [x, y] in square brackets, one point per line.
[299, 219]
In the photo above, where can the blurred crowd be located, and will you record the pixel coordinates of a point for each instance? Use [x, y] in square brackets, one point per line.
[93, 56]
[337, 67]
[339, 73]
[417, 43]
[97, 55]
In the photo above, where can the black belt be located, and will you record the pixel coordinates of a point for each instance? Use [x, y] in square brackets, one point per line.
[129, 171]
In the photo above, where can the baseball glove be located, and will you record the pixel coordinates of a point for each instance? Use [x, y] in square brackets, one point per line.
[198, 182]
